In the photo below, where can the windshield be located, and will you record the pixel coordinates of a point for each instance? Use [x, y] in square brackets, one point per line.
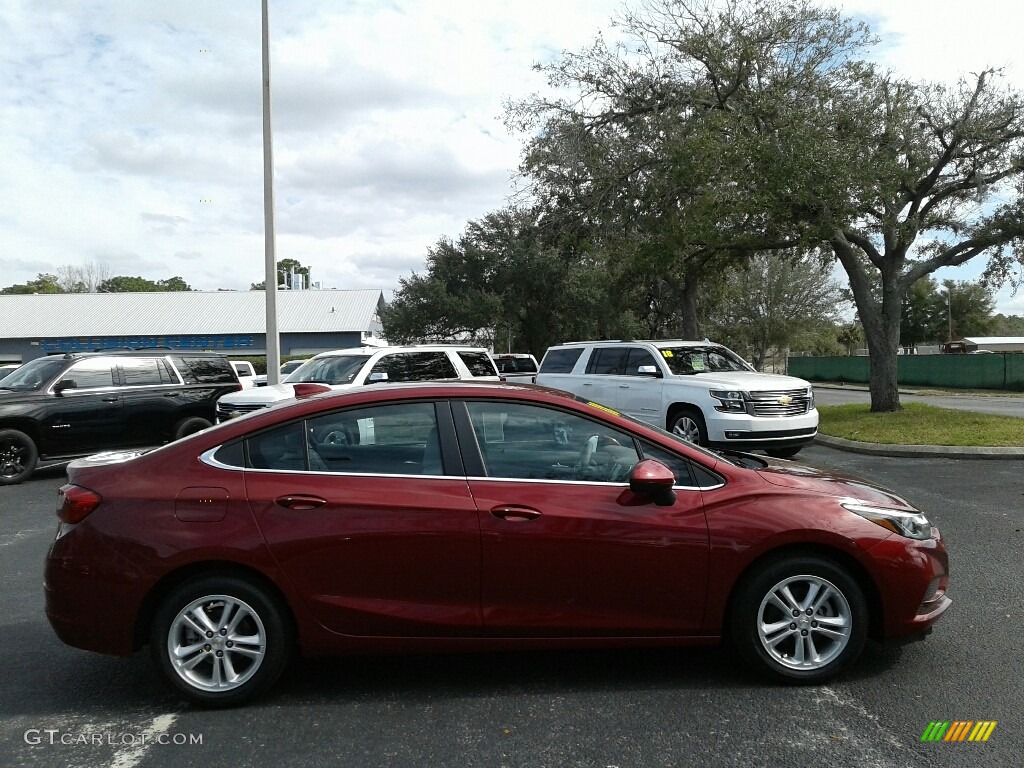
[34, 375]
[338, 369]
[686, 361]
[713, 455]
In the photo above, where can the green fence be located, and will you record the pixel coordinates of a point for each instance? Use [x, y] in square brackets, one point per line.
[1003, 371]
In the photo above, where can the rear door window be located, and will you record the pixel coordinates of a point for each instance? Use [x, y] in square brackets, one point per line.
[608, 360]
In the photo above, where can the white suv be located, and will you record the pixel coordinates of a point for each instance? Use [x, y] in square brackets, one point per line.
[701, 391]
[349, 368]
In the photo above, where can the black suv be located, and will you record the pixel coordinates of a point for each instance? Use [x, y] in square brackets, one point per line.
[63, 406]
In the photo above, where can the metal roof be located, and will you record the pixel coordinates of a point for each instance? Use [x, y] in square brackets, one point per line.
[184, 312]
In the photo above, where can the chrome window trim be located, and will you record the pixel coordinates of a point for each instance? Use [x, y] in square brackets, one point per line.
[578, 482]
[207, 457]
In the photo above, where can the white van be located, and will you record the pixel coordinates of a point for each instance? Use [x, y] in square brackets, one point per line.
[701, 391]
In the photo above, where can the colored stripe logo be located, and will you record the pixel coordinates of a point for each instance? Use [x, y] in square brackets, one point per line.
[959, 730]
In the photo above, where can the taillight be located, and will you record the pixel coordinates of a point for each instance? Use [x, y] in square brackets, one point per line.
[76, 503]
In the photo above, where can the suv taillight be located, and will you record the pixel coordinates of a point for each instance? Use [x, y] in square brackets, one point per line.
[76, 503]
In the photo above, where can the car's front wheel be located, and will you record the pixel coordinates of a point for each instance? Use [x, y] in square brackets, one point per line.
[18, 456]
[801, 619]
[220, 640]
[688, 423]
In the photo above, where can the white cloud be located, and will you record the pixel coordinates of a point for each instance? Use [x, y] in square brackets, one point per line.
[132, 131]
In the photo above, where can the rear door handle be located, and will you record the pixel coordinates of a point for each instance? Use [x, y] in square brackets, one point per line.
[300, 503]
[515, 514]
[110, 399]
[172, 394]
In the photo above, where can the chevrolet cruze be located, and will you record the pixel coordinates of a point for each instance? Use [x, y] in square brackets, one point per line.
[464, 516]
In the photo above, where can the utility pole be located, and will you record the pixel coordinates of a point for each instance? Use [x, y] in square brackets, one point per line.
[270, 245]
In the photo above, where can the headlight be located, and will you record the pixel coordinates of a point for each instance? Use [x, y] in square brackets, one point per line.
[730, 400]
[913, 525]
[810, 398]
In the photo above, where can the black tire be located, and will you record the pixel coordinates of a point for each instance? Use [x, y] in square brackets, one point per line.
[780, 644]
[226, 602]
[688, 423]
[782, 453]
[18, 456]
[190, 427]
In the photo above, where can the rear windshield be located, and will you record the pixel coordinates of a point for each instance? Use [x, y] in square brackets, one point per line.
[515, 364]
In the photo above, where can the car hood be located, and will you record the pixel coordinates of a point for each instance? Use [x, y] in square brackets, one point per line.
[804, 478]
[749, 381]
[271, 393]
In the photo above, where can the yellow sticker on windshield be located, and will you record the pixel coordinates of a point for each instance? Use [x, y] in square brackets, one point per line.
[666, 353]
[604, 408]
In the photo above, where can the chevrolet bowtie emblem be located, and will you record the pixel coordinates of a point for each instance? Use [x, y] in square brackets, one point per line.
[785, 400]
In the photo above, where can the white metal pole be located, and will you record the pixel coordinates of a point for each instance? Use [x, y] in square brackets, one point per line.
[270, 245]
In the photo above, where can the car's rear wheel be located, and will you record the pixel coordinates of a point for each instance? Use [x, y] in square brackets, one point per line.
[688, 423]
[190, 426]
[18, 456]
[801, 620]
[220, 640]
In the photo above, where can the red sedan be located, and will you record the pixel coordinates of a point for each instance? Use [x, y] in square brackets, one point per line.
[469, 516]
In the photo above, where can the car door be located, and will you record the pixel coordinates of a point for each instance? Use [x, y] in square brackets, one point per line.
[600, 384]
[373, 526]
[640, 394]
[567, 548]
[153, 398]
[86, 417]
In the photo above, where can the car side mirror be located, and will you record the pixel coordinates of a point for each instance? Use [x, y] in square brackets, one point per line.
[376, 377]
[654, 479]
[64, 384]
[649, 370]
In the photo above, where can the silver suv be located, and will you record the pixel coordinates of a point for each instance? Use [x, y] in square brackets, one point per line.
[701, 391]
[359, 366]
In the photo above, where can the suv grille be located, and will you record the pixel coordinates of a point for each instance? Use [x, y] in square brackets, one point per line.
[225, 411]
[787, 402]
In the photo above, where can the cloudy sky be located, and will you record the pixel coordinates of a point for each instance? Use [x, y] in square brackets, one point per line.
[131, 134]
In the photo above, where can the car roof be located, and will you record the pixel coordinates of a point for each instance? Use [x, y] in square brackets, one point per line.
[406, 390]
[150, 352]
[372, 350]
[660, 343]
